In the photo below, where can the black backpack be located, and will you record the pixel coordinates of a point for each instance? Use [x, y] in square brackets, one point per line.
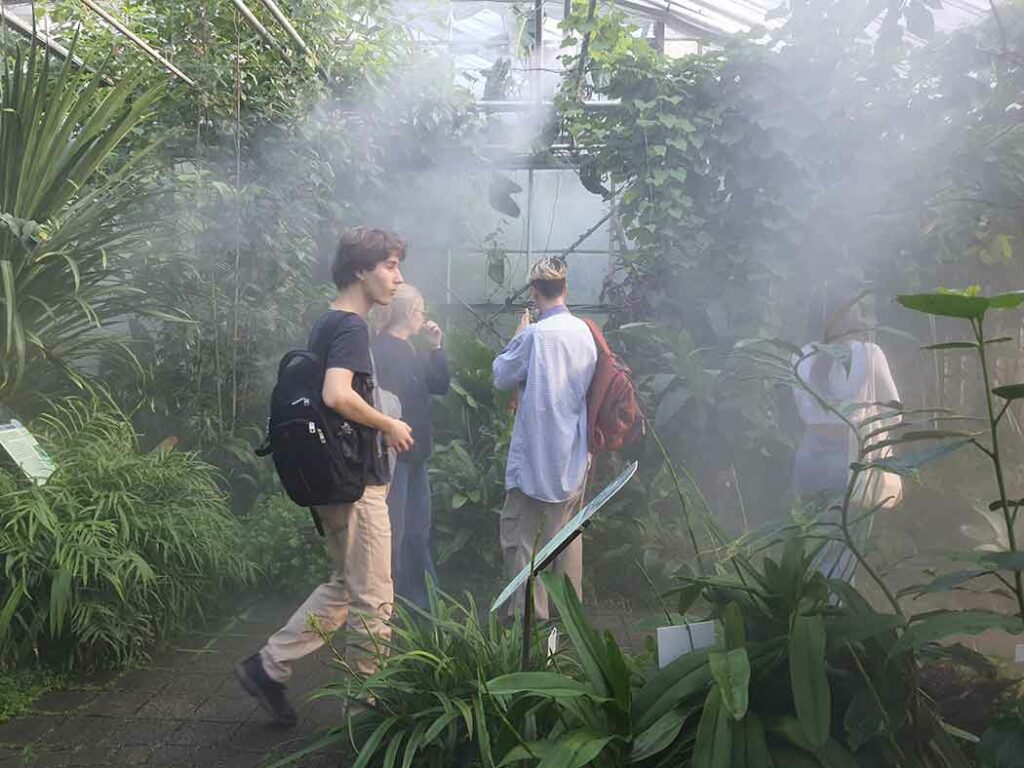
[320, 457]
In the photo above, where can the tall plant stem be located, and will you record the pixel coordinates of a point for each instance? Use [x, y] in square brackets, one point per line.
[236, 308]
[851, 545]
[978, 326]
[682, 497]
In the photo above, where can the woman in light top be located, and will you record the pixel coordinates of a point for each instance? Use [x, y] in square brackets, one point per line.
[852, 375]
[413, 375]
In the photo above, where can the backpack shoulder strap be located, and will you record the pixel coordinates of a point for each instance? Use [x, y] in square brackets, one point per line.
[599, 340]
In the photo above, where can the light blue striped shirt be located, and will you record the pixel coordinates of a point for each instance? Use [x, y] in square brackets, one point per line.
[552, 362]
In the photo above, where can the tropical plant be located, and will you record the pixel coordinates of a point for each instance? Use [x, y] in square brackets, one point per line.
[804, 672]
[1004, 561]
[118, 549]
[473, 426]
[68, 213]
[429, 704]
[281, 540]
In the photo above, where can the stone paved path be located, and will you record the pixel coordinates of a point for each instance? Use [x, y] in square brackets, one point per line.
[185, 709]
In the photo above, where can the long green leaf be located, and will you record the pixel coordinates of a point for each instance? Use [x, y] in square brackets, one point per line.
[731, 670]
[811, 692]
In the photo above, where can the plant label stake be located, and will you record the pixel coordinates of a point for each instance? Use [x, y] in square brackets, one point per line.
[547, 554]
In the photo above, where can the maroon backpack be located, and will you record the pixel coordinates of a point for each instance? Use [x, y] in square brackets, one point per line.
[614, 418]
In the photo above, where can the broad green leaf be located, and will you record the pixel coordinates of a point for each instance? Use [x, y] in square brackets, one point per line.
[688, 595]
[932, 627]
[857, 627]
[1009, 391]
[749, 747]
[548, 684]
[1002, 744]
[943, 583]
[713, 746]
[731, 670]
[368, 749]
[792, 758]
[658, 737]
[908, 464]
[835, 755]
[591, 651]
[732, 621]
[686, 677]
[789, 729]
[1010, 300]
[811, 692]
[864, 718]
[945, 304]
[951, 345]
[575, 749]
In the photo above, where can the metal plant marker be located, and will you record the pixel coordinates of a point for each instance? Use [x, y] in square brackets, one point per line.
[547, 554]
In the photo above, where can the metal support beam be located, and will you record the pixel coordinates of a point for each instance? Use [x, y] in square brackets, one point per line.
[27, 31]
[281, 19]
[260, 29]
[138, 41]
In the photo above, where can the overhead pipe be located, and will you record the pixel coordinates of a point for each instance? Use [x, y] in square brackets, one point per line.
[30, 33]
[281, 19]
[117, 25]
[256, 24]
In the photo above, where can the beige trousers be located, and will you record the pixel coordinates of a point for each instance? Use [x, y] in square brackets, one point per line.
[526, 526]
[358, 596]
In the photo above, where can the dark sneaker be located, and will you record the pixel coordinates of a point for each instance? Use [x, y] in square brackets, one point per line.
[270, 695]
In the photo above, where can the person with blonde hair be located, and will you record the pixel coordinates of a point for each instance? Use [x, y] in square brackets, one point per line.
[550, 364]
[413, 375]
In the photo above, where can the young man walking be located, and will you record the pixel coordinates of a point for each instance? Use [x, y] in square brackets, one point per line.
[359, 595]
[551, 362]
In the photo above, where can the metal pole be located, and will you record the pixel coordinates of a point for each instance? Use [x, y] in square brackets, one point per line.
[448, 289]
[281, 19]
[117, 25]
[258, 26]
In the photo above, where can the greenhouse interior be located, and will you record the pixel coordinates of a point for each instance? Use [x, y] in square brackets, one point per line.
[512, 383]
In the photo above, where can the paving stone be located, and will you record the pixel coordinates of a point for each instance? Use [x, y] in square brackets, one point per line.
[92, 754]
[63, 701]
[168, 707]
[146, 732]
[119, 703]
[196, 733]
[131, 756]
[149, 679]
[261, 736]
[25, 730]
[236, 708]
[199, 686]
[83, 731]
[174, 756]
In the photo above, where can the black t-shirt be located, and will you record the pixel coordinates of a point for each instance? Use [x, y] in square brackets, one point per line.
[413, 377]
[343, 340]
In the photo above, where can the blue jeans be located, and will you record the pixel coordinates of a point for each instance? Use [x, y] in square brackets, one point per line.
[409, 510]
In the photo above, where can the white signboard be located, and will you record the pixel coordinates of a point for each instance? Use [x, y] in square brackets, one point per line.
[23, 449]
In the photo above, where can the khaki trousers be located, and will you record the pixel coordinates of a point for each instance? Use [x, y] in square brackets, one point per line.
[527, 524]
[358, 596]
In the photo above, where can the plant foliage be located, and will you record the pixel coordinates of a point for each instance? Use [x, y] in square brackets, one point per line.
[117, 550]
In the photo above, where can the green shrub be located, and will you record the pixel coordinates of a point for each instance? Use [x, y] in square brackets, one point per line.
[430, 704]
[117, 550]
[281, 540]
